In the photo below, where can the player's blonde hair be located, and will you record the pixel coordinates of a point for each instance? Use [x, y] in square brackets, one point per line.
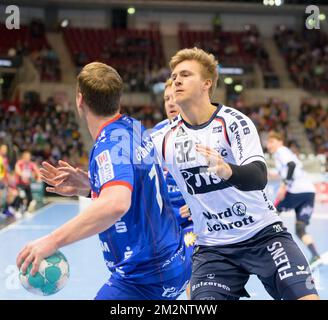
[101, 88]
[206, 60]
[168, 83]
[275, 135]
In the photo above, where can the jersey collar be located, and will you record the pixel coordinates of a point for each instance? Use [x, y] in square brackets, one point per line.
[203, 125]
[118, 116]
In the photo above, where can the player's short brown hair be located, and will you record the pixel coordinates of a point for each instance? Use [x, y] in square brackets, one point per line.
[206, 60]
[101, 87]
[276, 135]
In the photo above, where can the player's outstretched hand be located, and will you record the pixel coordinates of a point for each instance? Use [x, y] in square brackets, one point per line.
[215, 162]
[34, 252]
[65, 180]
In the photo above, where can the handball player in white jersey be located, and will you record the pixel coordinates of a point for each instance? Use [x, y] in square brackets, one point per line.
[214, 154]
[296, 191]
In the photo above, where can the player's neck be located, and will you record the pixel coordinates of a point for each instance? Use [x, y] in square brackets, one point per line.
[196, 114]
[95, 123]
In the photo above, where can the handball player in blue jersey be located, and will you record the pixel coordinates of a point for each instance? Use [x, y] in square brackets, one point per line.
[141, 240]
[180, 208]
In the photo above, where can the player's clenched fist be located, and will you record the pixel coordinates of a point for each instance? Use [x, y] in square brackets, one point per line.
[185, 212]
[215, 162]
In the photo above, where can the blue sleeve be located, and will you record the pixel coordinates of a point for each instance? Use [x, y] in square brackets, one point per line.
[112, 165]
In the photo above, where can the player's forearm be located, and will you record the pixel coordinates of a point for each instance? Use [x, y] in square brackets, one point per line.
[96, 218]
[249, 177]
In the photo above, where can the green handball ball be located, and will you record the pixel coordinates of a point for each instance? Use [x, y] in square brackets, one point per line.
[52, 275]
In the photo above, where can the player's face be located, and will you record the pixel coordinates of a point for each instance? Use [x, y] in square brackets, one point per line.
[273, 145]
[188, 83]
[3, 150]
[171, 108]
[26, 156]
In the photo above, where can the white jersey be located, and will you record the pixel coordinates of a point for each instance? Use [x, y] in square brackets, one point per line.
[221, 213]
[300, 180]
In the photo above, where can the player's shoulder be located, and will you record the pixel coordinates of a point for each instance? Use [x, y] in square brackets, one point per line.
[166, 128]
[175, 122]
[231, 114]
[284, 153]
[158, 132]
[235, 121]
[161, 125]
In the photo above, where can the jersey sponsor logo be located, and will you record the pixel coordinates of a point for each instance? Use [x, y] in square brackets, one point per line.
[246, 131]
[173, 292]
[96, 183]
[181, 132]
[217, 129]
[243, 123]
[176, 255]
[104, 246]
[199, 181]
[215, 225]
[120, 226]
[239, 145]
[233, 127]
[105, 167]
[277, 228]
[156, 134]
[269, 203]
[172, 188]
[241, 120]
[223, 152]
[189, 239]
[143, 150]
[210, 284]
[120, 271]
[280, 259]
[109, 264]
[239, 209]
[127, 253]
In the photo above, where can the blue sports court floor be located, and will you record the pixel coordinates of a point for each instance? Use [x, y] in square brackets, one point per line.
[88, 272]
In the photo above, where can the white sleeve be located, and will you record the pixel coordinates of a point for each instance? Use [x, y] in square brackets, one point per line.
[244, 139]
[158, 139]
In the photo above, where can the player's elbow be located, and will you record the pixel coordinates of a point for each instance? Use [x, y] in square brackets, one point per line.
[262, 182]
[119, 208]
[122, 207]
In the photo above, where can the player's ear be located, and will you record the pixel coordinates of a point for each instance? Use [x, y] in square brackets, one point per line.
[208, 84]
[79, 101]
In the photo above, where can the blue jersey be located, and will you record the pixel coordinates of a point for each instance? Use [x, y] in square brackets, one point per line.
[146, 244]
[175, 195]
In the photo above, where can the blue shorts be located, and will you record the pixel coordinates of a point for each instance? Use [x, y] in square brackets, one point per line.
[302, 203]
[221, 272]
[120, 289]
